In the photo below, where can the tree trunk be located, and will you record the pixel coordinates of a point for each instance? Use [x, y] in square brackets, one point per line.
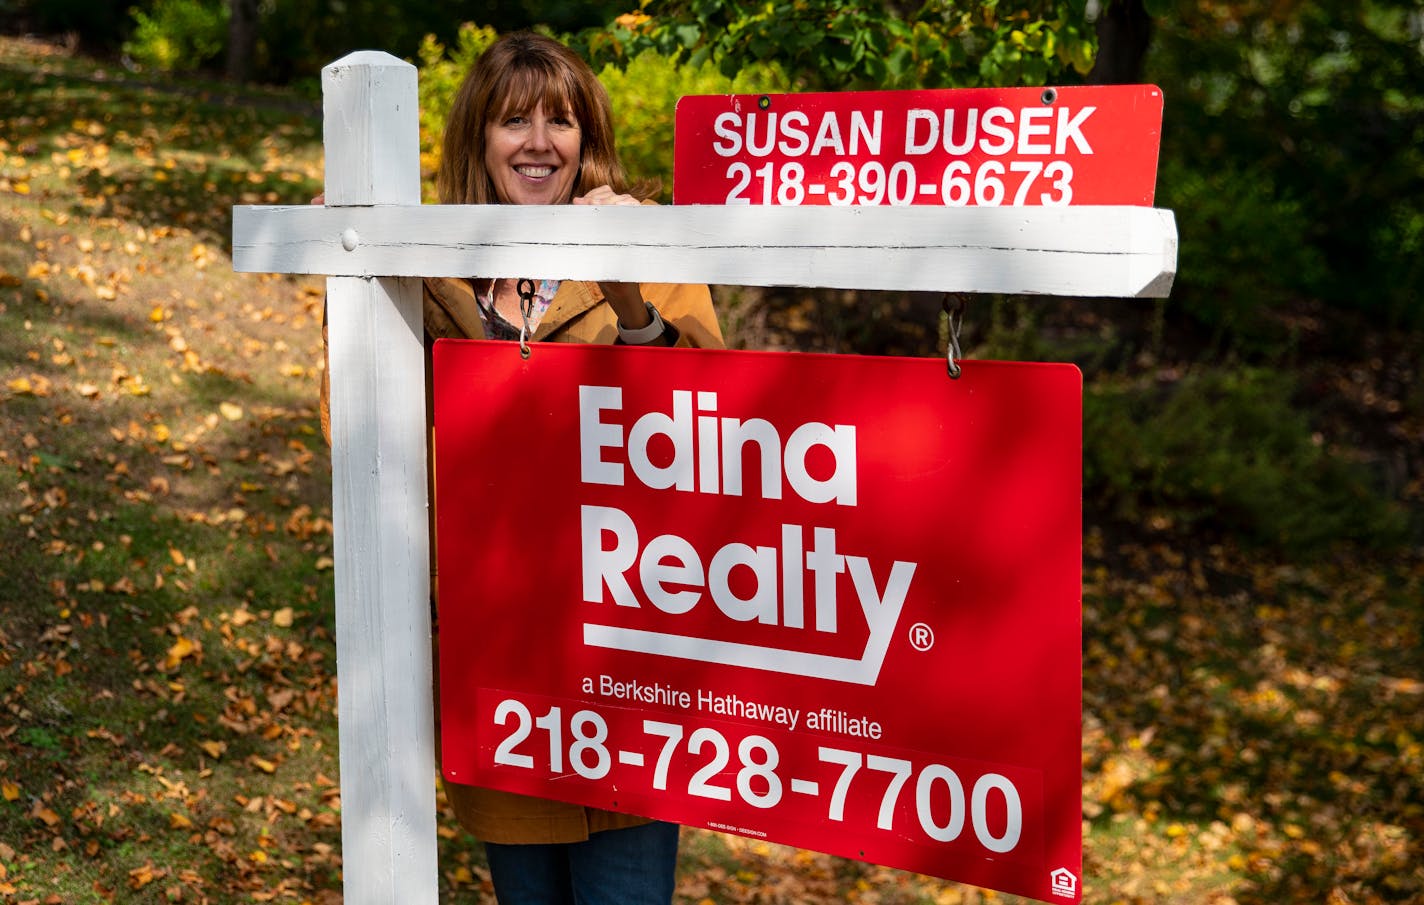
[1124, 31]
[241, 39]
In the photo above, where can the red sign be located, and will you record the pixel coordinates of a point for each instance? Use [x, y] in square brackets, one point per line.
[829, 601]
[956, 147]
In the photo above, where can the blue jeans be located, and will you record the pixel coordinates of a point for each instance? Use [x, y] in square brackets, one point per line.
[632, 866]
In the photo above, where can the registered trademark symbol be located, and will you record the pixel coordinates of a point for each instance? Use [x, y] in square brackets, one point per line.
[921, 636]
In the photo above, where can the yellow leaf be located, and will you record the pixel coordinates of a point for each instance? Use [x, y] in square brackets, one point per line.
[266, 766]
[230, 411]
[49, 817]
[21, 188]
[9, 790]
[157, 315]
[214, 749]
[283, 617]
[181, 649]
[21, 386]
[140, 877]
[177, 821]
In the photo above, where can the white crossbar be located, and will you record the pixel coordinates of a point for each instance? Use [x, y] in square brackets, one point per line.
[1074, 251]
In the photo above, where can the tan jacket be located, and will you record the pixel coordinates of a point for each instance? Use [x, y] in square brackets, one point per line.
[577, 314]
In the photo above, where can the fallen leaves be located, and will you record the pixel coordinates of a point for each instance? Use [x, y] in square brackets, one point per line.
[142, 876]
[179, 651]
[262, 764]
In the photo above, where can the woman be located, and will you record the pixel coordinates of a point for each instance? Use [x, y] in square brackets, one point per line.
[532, 125]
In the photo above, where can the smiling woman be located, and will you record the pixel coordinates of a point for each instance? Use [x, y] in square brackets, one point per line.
[517, 76]
[533, 157]
[532, 125]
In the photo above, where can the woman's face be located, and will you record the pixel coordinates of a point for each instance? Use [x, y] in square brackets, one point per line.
[532, 157]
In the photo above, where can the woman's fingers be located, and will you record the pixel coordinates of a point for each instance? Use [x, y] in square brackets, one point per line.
[605, 195]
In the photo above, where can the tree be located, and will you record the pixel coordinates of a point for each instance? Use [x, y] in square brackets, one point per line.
[1294, 147]
[242, 26]
[836, 45]
[1124, 30]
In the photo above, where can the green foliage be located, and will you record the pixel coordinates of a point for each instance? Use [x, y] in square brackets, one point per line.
[1328, 100]
[175, 35]
[1227, 450]
[645, 96]
[831, 45]
[1245, 248]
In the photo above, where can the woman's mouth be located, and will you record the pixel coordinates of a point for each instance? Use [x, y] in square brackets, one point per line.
[533, 172]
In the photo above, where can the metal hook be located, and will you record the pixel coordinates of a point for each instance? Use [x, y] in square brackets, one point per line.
[525, 288]
[954, 305]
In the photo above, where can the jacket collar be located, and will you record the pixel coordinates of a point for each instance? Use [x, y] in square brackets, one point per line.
[456, 299]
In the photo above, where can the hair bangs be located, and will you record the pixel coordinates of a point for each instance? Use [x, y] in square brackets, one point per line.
[529, 84]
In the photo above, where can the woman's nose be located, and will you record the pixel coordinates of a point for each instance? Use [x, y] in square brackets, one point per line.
[538, 139]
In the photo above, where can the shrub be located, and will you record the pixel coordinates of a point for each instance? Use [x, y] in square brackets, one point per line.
[645, 95]
[1228, 452]
[1245, 248]
[177, 35]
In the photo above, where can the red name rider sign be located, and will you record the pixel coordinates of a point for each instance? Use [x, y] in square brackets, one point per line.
[829, 601]
[956, 147]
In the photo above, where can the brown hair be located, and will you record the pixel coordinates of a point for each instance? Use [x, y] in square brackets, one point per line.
[517, 73]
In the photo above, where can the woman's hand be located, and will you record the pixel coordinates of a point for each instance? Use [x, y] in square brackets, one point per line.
[605, 195]
[625, 299]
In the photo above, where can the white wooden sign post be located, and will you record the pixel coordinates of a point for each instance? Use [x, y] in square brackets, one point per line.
[374, 240]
